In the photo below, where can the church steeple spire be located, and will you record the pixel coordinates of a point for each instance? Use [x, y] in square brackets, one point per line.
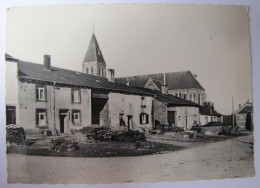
[94, 62]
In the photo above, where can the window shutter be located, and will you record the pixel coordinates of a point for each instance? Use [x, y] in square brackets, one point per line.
[37, 93]
[140, 117]
[45, 92]
[147, 118]
[37, 118]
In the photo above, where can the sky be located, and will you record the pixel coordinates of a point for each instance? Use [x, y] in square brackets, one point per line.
[211, 41]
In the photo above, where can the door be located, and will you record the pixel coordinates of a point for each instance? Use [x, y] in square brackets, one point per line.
[10, 115]
[130, 122]
[64, 121]
[171, 117]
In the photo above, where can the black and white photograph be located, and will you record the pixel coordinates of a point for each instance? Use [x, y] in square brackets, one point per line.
[128, 93]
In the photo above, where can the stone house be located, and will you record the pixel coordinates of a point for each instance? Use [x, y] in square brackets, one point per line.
[243, 116]
[171, 110]
[209, 114]
[181, 84]
[60, 100]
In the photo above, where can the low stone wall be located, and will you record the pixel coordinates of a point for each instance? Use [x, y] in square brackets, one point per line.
[214, 130]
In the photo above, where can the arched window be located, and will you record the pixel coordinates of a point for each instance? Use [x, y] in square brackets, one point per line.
[91, 70]
[87, 70]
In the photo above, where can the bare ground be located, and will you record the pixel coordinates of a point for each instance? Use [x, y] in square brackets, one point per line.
[232, 158]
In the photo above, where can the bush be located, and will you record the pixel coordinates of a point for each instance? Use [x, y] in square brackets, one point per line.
[61, 144]
[130, 136]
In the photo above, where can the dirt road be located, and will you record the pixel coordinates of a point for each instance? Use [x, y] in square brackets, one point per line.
[226, 159]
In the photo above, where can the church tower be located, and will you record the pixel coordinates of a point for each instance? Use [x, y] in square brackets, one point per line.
[94, 62]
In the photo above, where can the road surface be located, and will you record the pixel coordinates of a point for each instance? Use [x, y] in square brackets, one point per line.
[231, 158]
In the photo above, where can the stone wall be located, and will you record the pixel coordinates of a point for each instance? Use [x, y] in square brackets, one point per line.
[214, 130]
[160, 112]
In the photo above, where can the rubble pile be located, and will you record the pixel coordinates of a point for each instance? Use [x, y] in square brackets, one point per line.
[130, 136]
[61, 144]
[15, 134]
[228, 130]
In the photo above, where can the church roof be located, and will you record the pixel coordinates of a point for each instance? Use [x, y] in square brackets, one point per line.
[171, 100]
[158, 83]
[94, 53]
[174, 80]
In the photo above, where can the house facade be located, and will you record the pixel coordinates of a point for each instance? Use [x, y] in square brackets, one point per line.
[243, 116]
[59, 100]
[174, 111]
[209, 114]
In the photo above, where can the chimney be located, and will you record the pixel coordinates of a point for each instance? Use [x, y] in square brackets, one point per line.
[111, 75]
[239, 106]
[47, 62]
[164, 86]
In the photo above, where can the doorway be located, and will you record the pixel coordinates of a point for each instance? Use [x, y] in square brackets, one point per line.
[130, 122]
[64, 121]
[171, 117]
[10, 115]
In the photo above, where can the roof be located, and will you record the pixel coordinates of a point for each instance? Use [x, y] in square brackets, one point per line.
[174, 80]
[206, 110]
[157, 83]
[171, 100]
[246, 109]
[10, 58]
[94, 53]
[32, 71]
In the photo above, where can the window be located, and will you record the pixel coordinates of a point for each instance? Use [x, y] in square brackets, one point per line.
[121, 120]
[176, 94]
[92, 70]
[194, 97]
[76, 118]
[190, 97]
[41, 93]
[179, 118]
[198, 98]
[206, 119]
[87, 70]
[143, 102]
[41, 117]
[75, 93]
[184, 96]
[98, 70]
[144, 118]
[180, 94]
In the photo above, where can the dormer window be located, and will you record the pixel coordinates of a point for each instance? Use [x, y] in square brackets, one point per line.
[41, 92]
[75, 95]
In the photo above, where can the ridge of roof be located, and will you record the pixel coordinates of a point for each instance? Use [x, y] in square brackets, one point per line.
[33, 71]
[174, 80]
[170, 99]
